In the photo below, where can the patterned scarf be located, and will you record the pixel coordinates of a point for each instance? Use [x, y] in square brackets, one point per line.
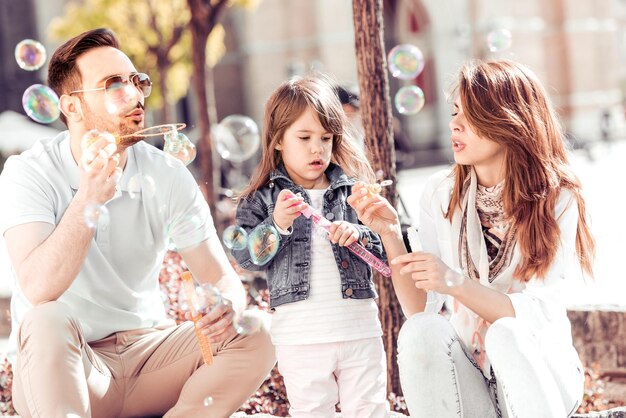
[499, 236]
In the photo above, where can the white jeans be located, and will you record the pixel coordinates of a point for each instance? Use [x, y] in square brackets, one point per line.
[441, 379]
[317, 376]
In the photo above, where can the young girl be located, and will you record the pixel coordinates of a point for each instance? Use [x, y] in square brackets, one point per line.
[325, 324]
[499, 234]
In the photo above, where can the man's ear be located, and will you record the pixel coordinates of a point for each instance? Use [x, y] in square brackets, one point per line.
[71, 108]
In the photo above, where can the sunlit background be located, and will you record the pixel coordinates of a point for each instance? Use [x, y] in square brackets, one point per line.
[576, 47]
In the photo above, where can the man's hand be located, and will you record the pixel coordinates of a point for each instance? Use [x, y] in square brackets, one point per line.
[217, 323]
[99, 171]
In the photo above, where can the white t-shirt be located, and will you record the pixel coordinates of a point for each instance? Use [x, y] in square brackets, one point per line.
[117, 287]
[324, 317]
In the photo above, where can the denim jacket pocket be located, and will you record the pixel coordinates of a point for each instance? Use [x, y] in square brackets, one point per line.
[279, 274]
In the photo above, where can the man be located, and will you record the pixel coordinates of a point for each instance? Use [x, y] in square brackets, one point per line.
[90, 336]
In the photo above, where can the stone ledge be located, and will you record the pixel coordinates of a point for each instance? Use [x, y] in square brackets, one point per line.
[595, 331]
[611, 413]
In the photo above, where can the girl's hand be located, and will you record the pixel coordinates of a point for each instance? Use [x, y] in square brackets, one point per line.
[343, 233]
[287, 209]
[429, 272]
[374, 210]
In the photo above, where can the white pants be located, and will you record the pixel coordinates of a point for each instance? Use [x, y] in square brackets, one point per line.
[531, 378]
[317, 376]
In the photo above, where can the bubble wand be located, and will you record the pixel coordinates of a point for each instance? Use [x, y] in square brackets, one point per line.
[192, 300]
[356, 248]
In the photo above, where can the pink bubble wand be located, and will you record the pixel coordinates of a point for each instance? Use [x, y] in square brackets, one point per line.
[355, 247]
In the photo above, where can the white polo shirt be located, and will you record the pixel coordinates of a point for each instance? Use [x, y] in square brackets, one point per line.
[117, 287]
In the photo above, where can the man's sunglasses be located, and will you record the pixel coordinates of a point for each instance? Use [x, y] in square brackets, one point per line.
[117, 87]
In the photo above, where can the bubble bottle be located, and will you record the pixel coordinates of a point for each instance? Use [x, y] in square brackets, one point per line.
[192, 298]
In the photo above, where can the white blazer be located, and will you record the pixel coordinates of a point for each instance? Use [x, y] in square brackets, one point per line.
[538, 302]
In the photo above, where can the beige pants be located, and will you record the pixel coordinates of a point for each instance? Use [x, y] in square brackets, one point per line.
[139, 373]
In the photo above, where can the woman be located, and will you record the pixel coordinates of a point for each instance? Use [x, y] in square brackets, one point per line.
[500, 231]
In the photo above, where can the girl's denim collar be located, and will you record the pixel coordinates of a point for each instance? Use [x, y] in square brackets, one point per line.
[334, 173]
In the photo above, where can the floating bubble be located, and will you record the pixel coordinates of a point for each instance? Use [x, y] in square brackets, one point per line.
[320, 232]
[141, 185]
[409, 100]
[235, 237]
[179, 146]
[236, 138]
[208, 297]
[499, 40]
[263, 244]
[405, 61]
[30, 54]
[186, 228]
[94, 135]
[454, 278]
[41, 103]
[247, 324]
[208, 401]
[95, 214]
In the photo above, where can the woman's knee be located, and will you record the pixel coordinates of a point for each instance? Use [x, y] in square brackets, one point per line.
[422, 333]
[505, 332]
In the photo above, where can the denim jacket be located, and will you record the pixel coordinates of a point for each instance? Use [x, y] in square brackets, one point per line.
[288, 273]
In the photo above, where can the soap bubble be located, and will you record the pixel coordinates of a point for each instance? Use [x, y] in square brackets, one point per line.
[236, 138]
[247, 324]
[499, 40]
[179, 146]
[41, 103]
[30, 54]
[405, 61]
[141, 185]
[189, 227]
[208, 297]
[454, 278]
[409, 100]
[95, 214]
[235, 237]
[263, 244]
[94, 135]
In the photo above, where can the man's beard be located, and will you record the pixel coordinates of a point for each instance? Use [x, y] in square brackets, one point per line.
[123, 126]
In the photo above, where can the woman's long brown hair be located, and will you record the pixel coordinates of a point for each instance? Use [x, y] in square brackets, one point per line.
[505, 102]
[285, 105]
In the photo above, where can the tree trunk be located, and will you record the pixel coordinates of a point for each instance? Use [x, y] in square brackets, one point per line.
[162, 69]
[205, 151]
[204, 16]
[377, 124]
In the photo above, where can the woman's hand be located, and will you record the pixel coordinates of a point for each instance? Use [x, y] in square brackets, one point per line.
[374, 210]
[287, 209]
[429, 272]
[343, 233]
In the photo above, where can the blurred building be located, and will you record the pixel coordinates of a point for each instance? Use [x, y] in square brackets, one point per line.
[577, 48]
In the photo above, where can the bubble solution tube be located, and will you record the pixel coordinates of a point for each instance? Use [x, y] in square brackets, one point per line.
[192, 300]
[355, 247]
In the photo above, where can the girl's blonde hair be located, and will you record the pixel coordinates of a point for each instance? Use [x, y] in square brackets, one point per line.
[504, 102]
[285, 105]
